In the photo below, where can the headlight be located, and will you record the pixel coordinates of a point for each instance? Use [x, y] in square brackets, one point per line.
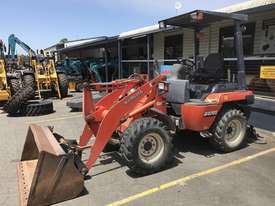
[161, 86]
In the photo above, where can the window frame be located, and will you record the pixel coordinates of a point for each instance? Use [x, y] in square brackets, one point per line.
[230, 30]
[179, 43]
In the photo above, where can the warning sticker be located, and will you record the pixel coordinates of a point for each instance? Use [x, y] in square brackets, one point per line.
[267, 72]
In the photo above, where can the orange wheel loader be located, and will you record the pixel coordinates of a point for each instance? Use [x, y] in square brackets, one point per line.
[141, 117]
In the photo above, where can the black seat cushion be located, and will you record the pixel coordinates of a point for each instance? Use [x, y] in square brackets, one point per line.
[212, 70]
[213, 64]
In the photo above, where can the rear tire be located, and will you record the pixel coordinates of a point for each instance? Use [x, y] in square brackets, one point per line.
[37, 108]
[63, 84]
[229, 132]
[146, 146]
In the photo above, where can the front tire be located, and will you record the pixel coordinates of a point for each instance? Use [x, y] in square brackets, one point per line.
[146, 146]
[229, 132]
[15, 85]
[18, 100]
[29, 81]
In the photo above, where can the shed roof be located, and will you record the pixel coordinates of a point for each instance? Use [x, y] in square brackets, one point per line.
[140, 31]
[97, 42]
[201, 18]
[250, 6]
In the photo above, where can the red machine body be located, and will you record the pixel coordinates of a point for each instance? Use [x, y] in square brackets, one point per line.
[200, 117]
[116, 111]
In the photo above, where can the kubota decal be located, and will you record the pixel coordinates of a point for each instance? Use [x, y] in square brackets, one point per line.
[134, 96]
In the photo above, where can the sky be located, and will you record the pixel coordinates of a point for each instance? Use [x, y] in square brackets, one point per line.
[43, 23]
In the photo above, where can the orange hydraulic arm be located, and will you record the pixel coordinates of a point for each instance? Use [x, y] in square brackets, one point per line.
[116, 111]
[117, 84]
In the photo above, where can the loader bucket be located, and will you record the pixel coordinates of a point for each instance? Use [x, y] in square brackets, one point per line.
[46, 173]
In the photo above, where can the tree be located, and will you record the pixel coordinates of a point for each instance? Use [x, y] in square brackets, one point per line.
[64, 40]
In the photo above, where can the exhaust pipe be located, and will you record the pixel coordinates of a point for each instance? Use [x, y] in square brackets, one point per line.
[46, 173]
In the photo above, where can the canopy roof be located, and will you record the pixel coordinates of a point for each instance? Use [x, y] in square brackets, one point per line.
[200, 19]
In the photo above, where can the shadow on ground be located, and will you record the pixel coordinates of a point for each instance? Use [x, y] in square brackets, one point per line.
[184, 142]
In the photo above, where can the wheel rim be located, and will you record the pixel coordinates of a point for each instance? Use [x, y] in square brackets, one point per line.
[234, 132]
[150, 148]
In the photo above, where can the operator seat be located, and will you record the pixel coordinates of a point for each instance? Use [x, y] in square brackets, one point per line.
[204, 79]
[213, 70]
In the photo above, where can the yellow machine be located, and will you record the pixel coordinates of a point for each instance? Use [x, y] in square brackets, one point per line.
[37, 72]
[47, 78]
[4, 89]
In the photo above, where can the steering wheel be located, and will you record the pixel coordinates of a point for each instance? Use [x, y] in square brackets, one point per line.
[186, 69]
[188, 63]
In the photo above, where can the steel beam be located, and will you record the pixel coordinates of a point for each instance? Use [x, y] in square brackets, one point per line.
[119, 59]
[148, 53]
[240, 55]
[106, 64]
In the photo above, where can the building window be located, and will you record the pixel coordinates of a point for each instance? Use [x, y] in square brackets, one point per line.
[173, 47]
[227, 44]
[134, 49]
[267, 45]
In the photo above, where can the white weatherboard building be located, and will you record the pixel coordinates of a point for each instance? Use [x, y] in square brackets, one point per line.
[137, 49]
[211, 38]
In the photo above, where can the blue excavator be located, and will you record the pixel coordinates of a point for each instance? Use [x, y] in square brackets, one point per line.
[79, 71]
[13, 41]
[19, 65]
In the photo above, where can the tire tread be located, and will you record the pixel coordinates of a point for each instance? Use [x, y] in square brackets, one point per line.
[129, 142]
[217, 140]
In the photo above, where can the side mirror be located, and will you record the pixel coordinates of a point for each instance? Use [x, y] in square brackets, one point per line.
[163, 87]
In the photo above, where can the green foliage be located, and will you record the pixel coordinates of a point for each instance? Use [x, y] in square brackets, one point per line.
[64, 40]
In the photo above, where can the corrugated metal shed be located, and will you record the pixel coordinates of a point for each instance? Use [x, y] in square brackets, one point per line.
[142, 31]
[94, 43]
[81, 41]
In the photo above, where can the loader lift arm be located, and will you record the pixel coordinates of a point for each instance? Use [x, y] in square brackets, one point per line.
[116, 111]
[50, 157]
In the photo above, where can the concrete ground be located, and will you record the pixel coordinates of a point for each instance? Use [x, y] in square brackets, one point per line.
[203, 176]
